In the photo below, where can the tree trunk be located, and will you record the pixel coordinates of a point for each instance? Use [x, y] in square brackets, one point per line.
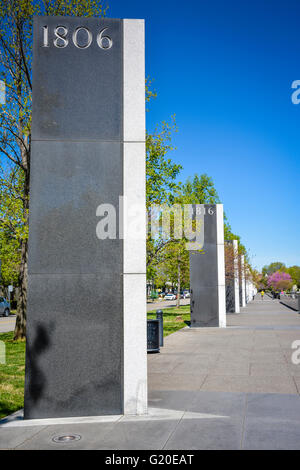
[20, 328]
[178, 286]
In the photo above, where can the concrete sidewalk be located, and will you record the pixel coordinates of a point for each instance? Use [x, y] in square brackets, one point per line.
[233, 388]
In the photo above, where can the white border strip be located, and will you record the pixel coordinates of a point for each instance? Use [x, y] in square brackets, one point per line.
[221, 265]
[243, 280]
[236, 277]
[134, 125]
[134, 184]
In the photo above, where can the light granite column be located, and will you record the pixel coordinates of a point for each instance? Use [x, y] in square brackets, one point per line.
[134, 285]
[207, 273]
[242, 281]
[86, 332]
[236, 277]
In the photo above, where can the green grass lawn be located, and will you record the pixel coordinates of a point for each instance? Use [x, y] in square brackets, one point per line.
[170, 314]
[12, 375]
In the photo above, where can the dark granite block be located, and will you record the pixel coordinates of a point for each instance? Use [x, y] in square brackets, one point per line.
[74, 345]
[77, 92]
[204, 275]
[68, 182]
[203, 267]
[204, 306]
[74, 352]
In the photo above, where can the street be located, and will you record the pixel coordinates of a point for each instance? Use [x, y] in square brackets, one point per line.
[7, 323]
[161, 304]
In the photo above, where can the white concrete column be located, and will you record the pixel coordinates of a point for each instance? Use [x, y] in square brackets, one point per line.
[221, 266]
[236, 277]
[243, 280]
[134, 190]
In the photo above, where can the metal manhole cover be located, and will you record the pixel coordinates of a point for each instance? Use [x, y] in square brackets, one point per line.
[66, 438]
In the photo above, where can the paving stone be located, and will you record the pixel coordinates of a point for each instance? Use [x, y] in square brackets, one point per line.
[217, 434]
[274, 406]
[266, 369]
[268, 434]
[11, 438]
[249, 384]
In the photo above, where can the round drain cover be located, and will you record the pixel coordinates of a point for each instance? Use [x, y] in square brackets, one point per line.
[67, 438]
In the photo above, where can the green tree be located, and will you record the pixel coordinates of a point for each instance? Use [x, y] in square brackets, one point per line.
[161, 175]
[161, 172]
[199, 190]
[176, 265]
[273, 267]
[294, 272]
[170, 255]
[16, 18]
[13, 226]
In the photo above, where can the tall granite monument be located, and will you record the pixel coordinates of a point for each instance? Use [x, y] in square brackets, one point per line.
[207, 272]
[86, 330]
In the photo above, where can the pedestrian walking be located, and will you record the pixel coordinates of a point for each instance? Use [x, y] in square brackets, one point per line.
[262, 294]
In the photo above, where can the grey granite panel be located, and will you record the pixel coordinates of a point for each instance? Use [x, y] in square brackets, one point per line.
[204, 307]
[204, 275]
[74, 346]
[204, 267]
[210, 225]
[68, 182]
[77, 92]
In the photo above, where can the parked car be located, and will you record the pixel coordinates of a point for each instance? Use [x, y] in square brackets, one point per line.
[186, 294]
[170, 296]
[4, 307]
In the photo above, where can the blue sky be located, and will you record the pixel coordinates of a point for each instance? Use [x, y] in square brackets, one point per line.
[226, 68]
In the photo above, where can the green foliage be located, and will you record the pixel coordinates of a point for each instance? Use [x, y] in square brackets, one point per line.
[273, 267]
[229, 235]
[13, 224]
[161, 172]
[169, 258]
[12, 376]
[294, 272]
[199, 190]
[73, 7]
[175, 263]
[149, 93]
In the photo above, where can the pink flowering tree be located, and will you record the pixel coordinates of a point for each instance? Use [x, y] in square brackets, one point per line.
[280, 281]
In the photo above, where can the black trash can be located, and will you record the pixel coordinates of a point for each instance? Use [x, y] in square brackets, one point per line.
[152, 336]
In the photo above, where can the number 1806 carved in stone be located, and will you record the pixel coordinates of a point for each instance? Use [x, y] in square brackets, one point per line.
[61, 39]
